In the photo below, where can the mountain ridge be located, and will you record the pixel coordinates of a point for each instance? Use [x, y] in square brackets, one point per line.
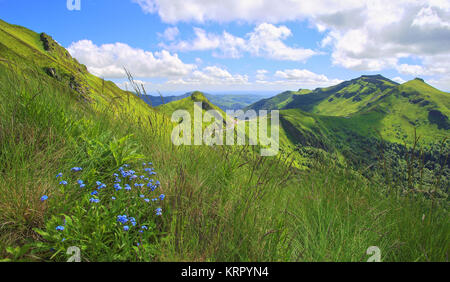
[365, 87]
[223, 101]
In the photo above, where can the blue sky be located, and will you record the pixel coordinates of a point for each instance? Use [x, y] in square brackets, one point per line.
[247, 46]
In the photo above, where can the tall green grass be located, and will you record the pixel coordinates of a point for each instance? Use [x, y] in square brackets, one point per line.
[223, 203]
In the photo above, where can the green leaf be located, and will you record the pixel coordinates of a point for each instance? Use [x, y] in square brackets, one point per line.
[44, 234]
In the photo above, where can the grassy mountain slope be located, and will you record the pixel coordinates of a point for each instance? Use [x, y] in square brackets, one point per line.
[357, 121]
[20, 47]
[349, 97]
[359, 142]
[399, 109]
[413, 105]
[343, 99]
[277, 102]
[208, 120]
[222, 203]
[187, 104]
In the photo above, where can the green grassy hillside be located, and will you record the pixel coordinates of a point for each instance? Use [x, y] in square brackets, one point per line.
[360, 141]
[277, 102]
[343, 99]
[39, 53]
[208, 120]
[413, 105]
[70, 144]
[188, 103]
[357, 122]
[349, 97]
[399, 109]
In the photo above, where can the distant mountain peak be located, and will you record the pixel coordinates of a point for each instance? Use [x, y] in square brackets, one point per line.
[198, 96]
[417, 81]
[379, 76]
[420, 85]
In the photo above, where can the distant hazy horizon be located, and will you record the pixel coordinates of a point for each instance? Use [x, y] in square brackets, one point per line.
[219, 93]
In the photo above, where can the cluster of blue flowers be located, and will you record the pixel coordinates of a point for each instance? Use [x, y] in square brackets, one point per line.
[125, 179]
[139, 182]
[63, 182]
[124, 219]
[130, 175]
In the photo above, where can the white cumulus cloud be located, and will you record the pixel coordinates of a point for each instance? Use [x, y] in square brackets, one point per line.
[261, 74]
[305, 77]
[266, 40]
[109, 60]
[170, 33]
[249, 10]
[211, 75]
[398, 79]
